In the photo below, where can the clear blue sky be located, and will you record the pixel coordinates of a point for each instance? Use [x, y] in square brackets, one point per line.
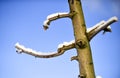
[21, 21]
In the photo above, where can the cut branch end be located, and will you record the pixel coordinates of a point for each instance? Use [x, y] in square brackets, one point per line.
[45, 27]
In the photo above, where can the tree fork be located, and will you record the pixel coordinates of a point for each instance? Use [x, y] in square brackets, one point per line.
[82, 45]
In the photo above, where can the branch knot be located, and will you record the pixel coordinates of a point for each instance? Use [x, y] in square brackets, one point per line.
[81, 43]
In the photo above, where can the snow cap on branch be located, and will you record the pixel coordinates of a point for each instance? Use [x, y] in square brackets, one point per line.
[95, 26]
[66, 44]
[21, 48]
[52, 17]
[56, 15]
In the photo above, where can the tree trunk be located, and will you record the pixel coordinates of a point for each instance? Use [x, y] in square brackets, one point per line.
[84, 55]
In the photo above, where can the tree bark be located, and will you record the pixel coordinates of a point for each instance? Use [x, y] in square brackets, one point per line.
[82, 45]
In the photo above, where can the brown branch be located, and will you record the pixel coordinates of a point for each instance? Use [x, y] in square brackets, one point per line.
[53, 17]
[101, 26]
[61, 49]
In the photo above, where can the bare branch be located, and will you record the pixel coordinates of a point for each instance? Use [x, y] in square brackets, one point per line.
[61, 49]
[74, 58]
[101, 26]
[95, 26]
[53, 17]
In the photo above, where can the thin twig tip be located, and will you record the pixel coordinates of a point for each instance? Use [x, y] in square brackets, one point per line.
[17, 44]
[45, 27]
[115, 18]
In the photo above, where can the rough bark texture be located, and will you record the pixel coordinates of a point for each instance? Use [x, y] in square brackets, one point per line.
[84, 55]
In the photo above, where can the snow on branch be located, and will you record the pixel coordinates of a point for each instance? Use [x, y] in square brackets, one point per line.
[103, 25]
[95, 26]
[53, 17]
[61, 49]
[66, 44]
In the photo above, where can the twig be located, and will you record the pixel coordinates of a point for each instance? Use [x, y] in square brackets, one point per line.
[53, 17]
[95, 26]
[101, 26]
[61, 49]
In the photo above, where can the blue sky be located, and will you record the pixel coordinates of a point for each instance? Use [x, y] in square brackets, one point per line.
[21, 21]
